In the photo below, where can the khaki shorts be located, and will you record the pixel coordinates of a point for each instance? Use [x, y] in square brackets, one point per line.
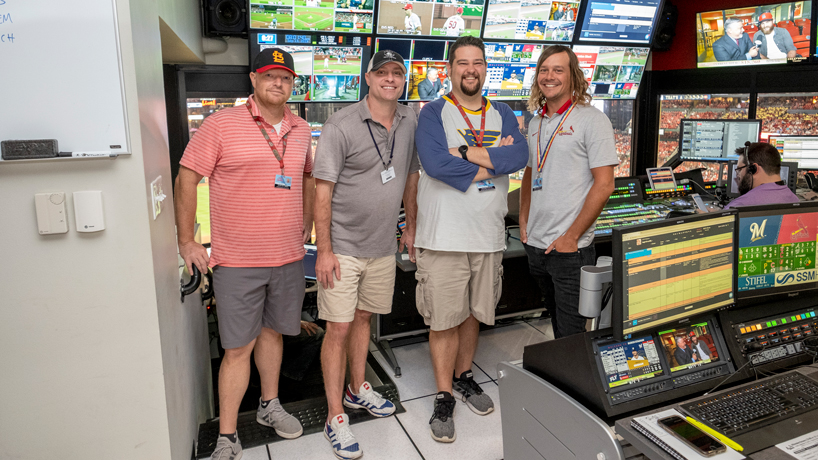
[454, 285]
[365, 284]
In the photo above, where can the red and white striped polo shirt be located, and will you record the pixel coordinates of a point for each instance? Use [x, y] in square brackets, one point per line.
[253, 223]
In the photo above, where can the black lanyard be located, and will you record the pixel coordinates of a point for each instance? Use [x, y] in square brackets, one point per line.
[280, 158]
[377, 149]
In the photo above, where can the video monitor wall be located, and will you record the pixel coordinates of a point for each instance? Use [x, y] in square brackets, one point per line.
[626, 21]
[438, 18]
[777, 249]
[329, 67]
[511, 69]
[531, 20]
[613, 72]
[313, 15]
[427, 78]
[746, 35]
[688, 347]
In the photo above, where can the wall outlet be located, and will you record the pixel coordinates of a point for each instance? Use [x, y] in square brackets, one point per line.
[157, 196]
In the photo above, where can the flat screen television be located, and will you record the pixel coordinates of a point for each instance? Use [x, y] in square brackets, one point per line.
[425, 60]
[511, 69]
[613, 72]
[435, 17]
[754, 35]
[355, 16]
[536, 20]
[715, 140]
[620, 21]
[330, 67]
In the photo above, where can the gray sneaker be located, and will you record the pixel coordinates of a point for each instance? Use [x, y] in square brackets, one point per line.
[470, 392]
[442, 421]
[226, 450]
[284, 424]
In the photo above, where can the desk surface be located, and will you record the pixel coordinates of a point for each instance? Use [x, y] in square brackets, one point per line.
[514, 248]
[654, 452]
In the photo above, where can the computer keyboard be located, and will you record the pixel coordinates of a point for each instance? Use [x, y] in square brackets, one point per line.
[757, 404]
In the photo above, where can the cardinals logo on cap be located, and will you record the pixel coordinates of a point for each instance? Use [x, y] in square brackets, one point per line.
[278, 57]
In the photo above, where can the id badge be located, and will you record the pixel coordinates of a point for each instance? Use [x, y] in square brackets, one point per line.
[282, 181]
[537, 184]
[485, 186]
[388, 174]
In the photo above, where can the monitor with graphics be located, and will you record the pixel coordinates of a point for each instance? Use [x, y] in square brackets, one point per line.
[330, 67]
[431, 18]
[535, 20]
[777, 253]
[620, 21]
[511, 69]
[612, 72]
[356, 16]
[715, 140]
[670, 271]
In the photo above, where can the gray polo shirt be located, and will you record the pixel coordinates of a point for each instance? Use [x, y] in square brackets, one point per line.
[364, 209]
[586, 141]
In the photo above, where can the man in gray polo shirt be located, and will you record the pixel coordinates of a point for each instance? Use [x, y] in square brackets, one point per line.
[365, 162]
[566, 184]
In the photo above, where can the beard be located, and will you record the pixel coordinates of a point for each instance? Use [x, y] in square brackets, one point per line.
[767, 30]
[470, 91]
[746, 184]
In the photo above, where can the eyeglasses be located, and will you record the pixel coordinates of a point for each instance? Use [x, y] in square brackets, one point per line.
[739, 168]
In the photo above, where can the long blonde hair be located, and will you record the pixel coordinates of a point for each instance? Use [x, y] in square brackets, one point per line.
[579, 86]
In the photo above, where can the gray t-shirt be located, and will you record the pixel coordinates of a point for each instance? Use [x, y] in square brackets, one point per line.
[364, 209]
[586, 141]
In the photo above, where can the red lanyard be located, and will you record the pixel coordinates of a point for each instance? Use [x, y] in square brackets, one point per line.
[478, 140]
[280, 158]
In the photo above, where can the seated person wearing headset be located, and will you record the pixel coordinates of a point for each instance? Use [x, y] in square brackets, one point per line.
[758, 175]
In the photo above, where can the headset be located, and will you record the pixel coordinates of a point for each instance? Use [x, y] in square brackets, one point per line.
[752, 168]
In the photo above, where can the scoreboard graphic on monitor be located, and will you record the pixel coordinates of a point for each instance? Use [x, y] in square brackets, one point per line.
[777, 251]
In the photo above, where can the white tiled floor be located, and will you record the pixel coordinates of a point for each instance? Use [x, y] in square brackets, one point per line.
[406, 436]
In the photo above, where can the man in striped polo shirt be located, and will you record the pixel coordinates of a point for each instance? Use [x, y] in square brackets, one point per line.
[258, 161]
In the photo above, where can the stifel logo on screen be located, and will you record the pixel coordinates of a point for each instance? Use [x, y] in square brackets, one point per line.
[278, 57]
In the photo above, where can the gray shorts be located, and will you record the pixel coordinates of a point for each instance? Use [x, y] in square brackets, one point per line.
[249, 298]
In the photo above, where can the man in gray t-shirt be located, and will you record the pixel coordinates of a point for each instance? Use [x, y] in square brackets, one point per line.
[364, 164]
[565, 186]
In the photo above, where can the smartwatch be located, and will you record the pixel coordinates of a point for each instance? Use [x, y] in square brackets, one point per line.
[463, 149]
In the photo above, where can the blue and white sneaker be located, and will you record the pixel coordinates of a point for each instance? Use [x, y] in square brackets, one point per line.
[340, 437]
[369, 399]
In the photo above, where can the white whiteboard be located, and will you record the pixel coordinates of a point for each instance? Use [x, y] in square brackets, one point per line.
[61, 75]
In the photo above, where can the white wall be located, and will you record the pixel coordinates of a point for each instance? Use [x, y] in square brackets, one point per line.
[100, 358]
[184, 18]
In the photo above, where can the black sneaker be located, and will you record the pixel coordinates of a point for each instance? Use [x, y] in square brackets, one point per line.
[470, 392]
[442, 421]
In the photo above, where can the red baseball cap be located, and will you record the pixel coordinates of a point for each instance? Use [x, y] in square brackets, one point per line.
[459, 9]
[408, 7]
[765, 17]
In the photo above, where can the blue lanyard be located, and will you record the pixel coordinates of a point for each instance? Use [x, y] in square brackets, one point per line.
[392, 153]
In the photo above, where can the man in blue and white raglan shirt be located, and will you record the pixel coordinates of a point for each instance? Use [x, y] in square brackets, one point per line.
[467, 147]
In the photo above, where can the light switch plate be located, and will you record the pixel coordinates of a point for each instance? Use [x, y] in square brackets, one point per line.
[157, 196]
